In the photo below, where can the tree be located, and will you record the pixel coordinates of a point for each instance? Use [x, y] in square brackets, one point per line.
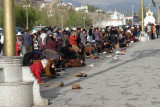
[144, 12]
[20, 16]
[1, 18]
[92, 8]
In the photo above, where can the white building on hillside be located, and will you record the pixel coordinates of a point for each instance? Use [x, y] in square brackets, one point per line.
[116, 19]
[82, 8]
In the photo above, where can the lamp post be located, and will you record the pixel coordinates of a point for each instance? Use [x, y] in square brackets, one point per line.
[99, 12]
[158, 11]
[132, 14]
[84, 19]
[154, 3]
[143, 36]
[142, 15]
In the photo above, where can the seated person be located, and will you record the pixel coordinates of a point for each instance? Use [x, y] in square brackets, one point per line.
[89, 49]
[53, 43]
[37, 69]
[73, 42]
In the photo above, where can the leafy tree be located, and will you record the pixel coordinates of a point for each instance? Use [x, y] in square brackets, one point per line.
[144, 12]
[1, 18]
[92, 8]
[20, 16]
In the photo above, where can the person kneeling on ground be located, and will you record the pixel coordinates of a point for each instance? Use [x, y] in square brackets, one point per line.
[37, 69]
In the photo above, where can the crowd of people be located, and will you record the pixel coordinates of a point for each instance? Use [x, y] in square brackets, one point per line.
[70, 47]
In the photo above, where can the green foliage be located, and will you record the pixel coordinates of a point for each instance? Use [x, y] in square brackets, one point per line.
[38, 17]
[72, 19]
[92, 8]
[144, 12]
[1, 18]
[20, 16]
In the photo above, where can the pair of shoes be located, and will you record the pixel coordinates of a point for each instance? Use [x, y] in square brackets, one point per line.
[80, 75]
[57, 74]
[53, 76]
[109, 56]
[63, 68]
[96, 57]
[83, 64]
[119, 53]
[116, 57]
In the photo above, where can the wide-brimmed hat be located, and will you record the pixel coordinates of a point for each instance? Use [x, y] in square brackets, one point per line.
[67, 29]
[74, 28]
[34, 31]
[19, 33]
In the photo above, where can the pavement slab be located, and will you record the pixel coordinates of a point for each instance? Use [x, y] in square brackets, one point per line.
[131, 81]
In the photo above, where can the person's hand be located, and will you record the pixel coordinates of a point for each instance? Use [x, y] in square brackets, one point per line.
[42, 83]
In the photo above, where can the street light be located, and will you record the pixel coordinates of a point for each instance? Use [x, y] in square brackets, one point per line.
[84, 19]
[143, 36]
[142, 15]
[132, 14]
[154, 3]
[99, 12]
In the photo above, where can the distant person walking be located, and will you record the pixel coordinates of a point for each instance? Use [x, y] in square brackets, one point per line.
[153, 31]
[27, 42]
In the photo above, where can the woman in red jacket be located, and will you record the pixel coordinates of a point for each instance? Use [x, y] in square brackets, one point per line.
[73, 39]
[38, 67]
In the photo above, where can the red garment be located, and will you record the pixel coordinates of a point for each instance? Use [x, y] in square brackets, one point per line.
[37, 70]
[73, 40]
[17, 49]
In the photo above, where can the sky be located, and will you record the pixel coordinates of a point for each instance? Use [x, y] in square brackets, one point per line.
[121, 5]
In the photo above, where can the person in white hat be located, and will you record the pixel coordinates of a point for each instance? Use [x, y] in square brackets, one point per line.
[67, 29]
[20, 42]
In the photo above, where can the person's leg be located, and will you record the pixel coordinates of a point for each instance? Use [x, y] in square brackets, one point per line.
[90, 38]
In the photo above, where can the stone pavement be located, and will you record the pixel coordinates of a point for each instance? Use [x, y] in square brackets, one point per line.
[131, 81]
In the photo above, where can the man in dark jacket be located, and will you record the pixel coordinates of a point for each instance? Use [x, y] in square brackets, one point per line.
[91, 34]
[157, 30]
[27, 42]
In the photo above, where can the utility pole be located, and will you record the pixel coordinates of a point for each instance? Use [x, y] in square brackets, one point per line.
[84, 19]
[157, 11]
[142, 15]
[132, 14]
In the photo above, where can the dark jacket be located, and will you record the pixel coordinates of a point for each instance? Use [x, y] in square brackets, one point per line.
[65, 40]
[53, 44]
[90, 32]
[27, 39]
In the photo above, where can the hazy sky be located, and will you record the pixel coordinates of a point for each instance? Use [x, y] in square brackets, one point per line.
[120, 5]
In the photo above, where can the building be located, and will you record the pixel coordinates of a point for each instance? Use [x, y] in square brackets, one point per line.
[83, 8]
[117, 19]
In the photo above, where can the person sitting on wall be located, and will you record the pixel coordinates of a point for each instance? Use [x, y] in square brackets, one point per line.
[37, 69]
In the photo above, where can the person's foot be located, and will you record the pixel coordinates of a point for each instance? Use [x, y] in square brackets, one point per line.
[63, 69]
[57, 74]
[53, 76]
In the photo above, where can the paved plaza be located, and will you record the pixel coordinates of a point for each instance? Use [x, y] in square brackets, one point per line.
[131, 81]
